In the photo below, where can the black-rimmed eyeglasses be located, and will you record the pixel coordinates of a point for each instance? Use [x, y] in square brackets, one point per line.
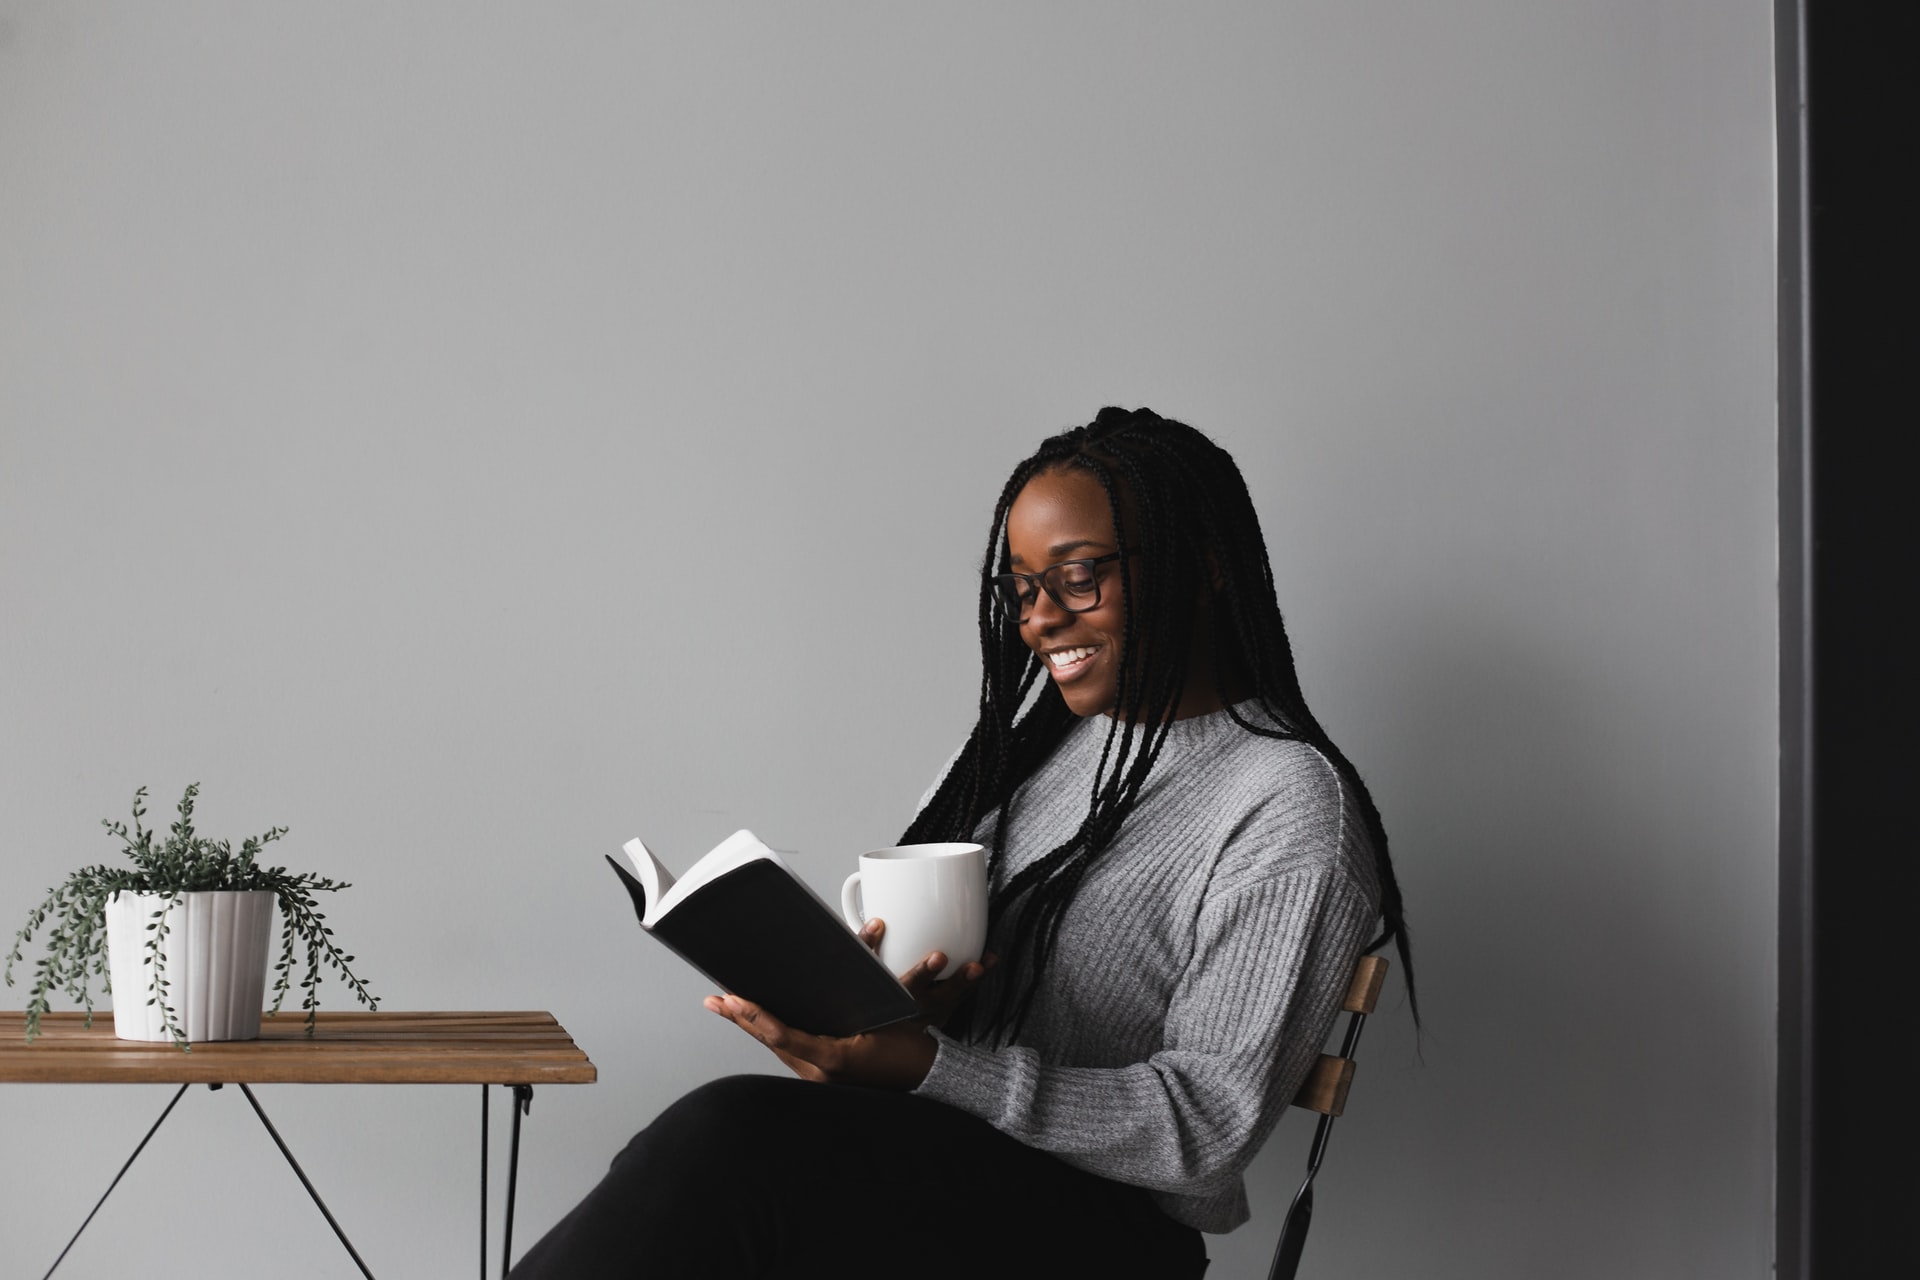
[1074, 585]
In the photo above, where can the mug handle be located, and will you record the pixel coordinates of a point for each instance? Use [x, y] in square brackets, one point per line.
[849, 893]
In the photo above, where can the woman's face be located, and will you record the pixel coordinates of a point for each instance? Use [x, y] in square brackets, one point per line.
[1064, 515]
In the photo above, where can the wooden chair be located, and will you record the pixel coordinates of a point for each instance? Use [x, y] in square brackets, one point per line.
[1325, 1093]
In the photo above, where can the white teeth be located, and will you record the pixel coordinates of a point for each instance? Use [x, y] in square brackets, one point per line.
[1067, 657]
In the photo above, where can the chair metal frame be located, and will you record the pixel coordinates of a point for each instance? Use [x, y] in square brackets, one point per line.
[1325, 1092]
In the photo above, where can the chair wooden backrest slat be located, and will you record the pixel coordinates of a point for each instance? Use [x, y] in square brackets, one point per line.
[1325, 1089]
[1363, 993]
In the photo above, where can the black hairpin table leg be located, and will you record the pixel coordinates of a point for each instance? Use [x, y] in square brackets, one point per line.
[522, 1105]
[305, 1182]
[486, 1095]
[116, 1180]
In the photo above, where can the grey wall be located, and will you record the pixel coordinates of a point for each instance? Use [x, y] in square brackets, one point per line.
[475, 436]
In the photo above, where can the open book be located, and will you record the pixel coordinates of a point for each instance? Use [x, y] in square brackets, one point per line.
[755, 929]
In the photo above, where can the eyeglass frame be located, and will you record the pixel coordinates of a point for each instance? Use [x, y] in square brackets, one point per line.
[1037, 582]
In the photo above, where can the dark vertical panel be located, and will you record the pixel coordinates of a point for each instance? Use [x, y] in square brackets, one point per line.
[1794, 1071]
[1859, 1161]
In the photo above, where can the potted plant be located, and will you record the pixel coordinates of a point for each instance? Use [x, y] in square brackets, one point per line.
[186, 927]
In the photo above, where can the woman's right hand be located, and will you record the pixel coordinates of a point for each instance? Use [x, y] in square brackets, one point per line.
[937, 997]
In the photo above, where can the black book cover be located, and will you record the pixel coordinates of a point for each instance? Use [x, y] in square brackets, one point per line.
[761, 935]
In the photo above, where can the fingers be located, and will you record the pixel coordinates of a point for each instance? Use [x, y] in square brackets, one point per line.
[896, 1057]
[800, 1067]
[939, 998]
[736, 1012]
[971, 972]
[809, 1057]
[872, 931]
[965, 977]
[922, 976]
[752, 1019]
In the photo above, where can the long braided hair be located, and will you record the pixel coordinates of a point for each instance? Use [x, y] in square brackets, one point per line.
[1182, 519]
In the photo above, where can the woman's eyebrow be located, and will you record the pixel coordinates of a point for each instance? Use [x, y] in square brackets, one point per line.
[1058, 550]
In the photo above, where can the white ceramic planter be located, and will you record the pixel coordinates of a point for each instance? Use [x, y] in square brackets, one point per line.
[216, 964]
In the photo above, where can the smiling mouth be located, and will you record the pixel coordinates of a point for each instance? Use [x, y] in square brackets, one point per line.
[1069, 662]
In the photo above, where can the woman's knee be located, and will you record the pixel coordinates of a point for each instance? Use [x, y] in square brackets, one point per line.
[681, 1196]
[715, 1125]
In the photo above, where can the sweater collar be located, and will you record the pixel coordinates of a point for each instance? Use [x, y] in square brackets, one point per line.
[1213, 729]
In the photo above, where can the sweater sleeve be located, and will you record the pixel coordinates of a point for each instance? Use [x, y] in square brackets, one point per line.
[1248, 1017]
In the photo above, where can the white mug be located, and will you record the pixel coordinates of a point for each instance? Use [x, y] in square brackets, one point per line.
[933, 897]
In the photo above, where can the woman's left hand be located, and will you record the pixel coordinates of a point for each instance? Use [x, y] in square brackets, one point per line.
[892, 1057]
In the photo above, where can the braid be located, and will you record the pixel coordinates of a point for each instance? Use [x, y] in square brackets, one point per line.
[1181, 515]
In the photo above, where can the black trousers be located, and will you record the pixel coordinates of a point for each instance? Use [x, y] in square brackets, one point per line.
[765, 1176]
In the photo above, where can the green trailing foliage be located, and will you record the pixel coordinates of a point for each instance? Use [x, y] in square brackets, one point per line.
[181, 862]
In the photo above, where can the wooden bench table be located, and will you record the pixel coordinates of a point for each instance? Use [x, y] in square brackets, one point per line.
[515, 1050]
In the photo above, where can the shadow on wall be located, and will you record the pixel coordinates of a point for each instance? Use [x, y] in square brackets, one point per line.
[1573, 900]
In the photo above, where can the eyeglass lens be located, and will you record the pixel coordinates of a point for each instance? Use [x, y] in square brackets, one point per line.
[1074, 586]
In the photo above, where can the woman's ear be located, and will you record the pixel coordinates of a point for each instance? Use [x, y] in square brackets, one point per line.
[1216, 577]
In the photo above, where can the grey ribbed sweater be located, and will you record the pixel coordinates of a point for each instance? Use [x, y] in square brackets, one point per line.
[1198, 971]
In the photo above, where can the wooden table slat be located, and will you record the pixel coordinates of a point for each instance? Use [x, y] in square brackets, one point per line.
[441, 1047]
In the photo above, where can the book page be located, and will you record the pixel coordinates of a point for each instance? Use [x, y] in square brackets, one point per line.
[736, 850]
[654, 878]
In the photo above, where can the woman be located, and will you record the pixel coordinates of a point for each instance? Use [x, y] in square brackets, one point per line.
[1184, 869]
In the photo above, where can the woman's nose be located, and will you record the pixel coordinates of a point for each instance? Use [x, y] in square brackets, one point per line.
[1043, 615]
